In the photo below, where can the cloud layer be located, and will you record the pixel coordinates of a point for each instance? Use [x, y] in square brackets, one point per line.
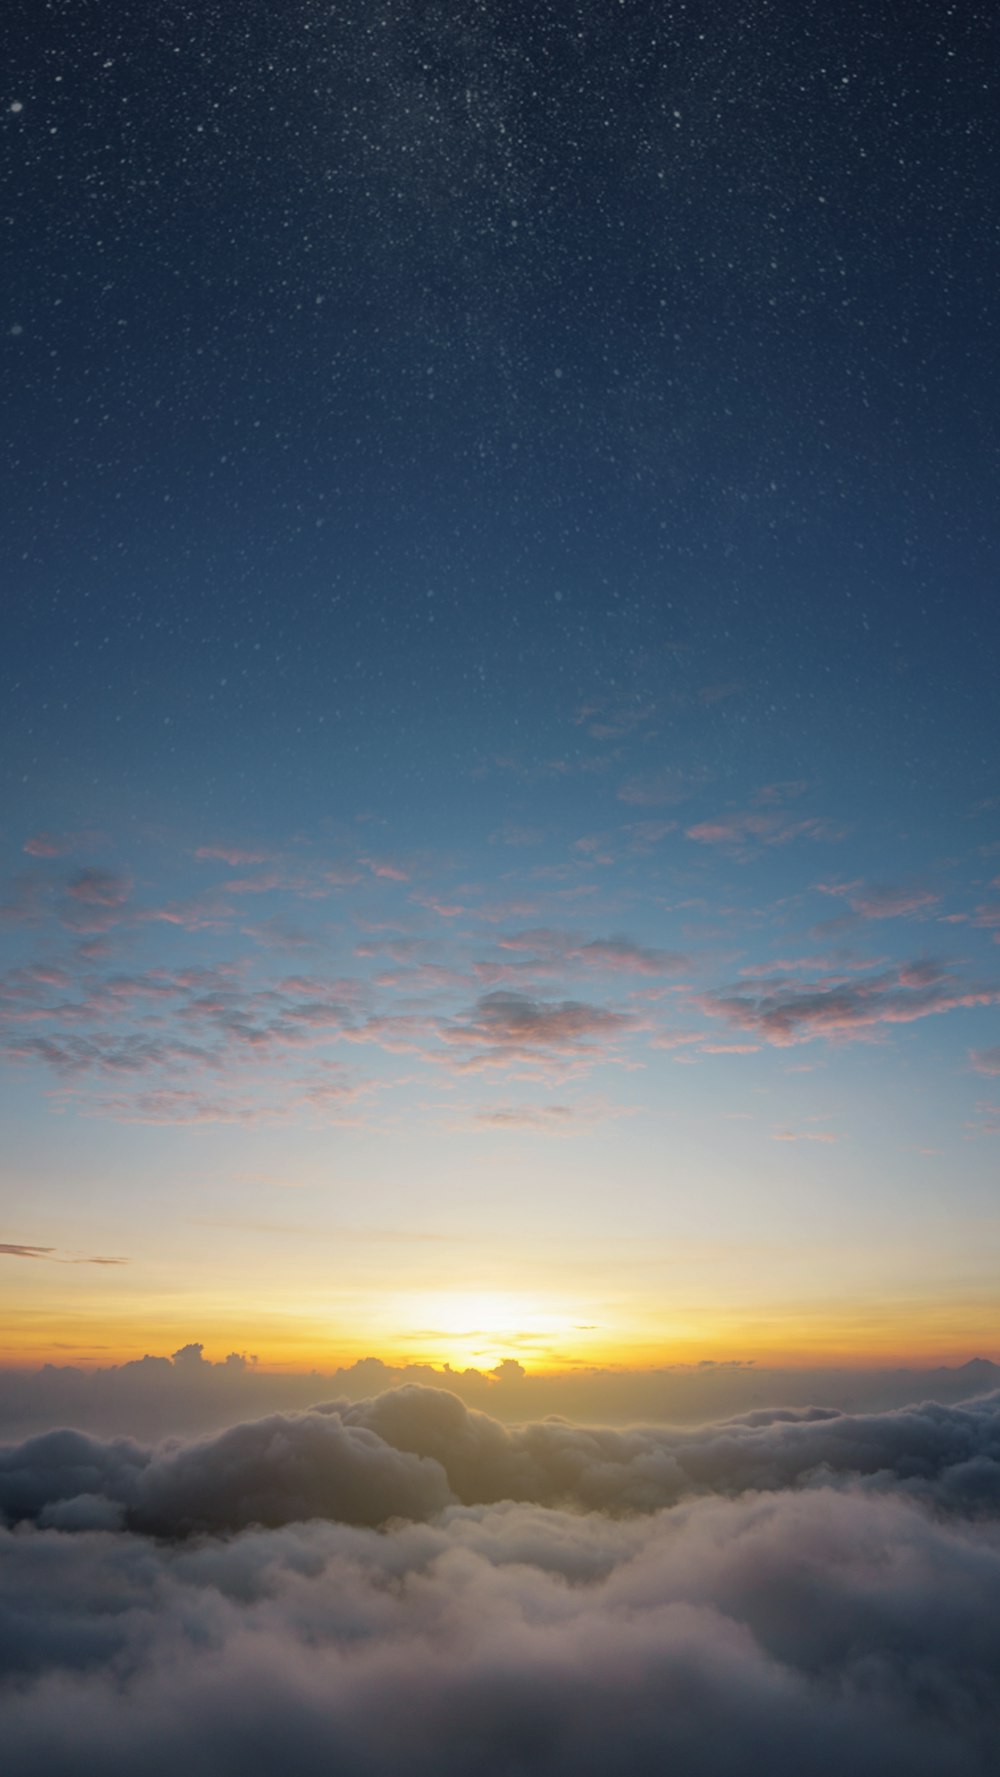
[804, 1605]
[412, 1451]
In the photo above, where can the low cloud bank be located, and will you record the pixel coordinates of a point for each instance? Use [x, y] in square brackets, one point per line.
[412, 1452]
[152, 1396]
[820, 1631]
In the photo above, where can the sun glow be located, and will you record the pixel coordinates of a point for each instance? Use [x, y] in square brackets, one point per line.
[482, 1328]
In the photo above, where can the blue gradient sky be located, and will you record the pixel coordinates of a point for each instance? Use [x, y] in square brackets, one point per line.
[502, 818]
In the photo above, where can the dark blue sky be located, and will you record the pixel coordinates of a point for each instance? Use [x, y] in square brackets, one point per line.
[499, 554]
[423, 368]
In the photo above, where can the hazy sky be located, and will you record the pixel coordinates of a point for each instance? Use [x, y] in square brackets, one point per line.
[501, 809]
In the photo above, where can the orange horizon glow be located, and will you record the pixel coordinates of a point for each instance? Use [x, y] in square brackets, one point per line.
[777, 1343]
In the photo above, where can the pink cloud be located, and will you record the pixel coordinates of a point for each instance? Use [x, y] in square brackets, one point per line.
[233, 855]
[56, 845]
[835, 965]
[506, 1026]
[255, 885]
[795, 1012]
[986, 1061]
[96, 900]
[99, 888]
[990, 1124]
[550, 950]
[882, 903]
[730, 1048]
[385, 869]
[443, 909]
[202, 913]
[785, 790]
[752, 828]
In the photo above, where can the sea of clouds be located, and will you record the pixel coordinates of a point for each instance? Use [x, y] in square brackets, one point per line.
[405, 1585]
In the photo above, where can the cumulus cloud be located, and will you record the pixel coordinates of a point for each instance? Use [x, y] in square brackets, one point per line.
[189, 1395]
[800, 1609]
[411, 1451]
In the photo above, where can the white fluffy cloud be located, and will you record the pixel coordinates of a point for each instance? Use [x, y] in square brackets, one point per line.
[781, 1594]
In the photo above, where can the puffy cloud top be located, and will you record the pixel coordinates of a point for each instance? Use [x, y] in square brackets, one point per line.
[411, 1452]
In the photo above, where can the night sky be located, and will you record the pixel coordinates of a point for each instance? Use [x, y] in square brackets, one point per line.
[501, 801]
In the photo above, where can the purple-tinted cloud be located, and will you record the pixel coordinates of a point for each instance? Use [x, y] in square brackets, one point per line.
[797, 1011]
[746, 831]
[99, 888]
[51, 1254]
[504, 1027]
[882, 902]
[549, 948]
[233, 855]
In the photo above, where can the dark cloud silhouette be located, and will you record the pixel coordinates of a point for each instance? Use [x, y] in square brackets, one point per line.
[826, 1598]
[152, 1396]
[14, 1250]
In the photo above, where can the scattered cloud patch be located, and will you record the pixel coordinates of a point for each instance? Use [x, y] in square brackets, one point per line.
[504, 1027]
[745, 832]
[816, 1135]
[883, 902]
[233, 855]
[51, 1254]
[787, 1012]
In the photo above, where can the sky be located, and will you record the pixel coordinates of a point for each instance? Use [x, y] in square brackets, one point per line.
[501, 808]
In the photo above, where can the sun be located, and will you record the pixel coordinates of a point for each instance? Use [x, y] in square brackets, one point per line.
[478, 1329]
